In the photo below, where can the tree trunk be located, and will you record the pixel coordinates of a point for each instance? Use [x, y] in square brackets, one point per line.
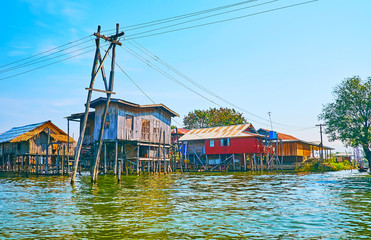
[368, 155]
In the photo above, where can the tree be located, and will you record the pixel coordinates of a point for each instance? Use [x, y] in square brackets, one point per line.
[348, 118]
[213, 117]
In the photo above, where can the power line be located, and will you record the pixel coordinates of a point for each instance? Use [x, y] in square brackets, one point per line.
[201, 18]
[226, 20]
[167, 19]
[46, 51]
[44, 66]
[134, 83]
[42, 59]
[156, 58]
[146, 61]
[176, 18]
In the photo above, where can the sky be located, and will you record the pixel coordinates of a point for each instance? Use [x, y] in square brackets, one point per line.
[285, 61]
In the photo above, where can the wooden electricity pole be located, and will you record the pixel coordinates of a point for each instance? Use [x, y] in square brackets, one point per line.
[108, 90]
[320, 130]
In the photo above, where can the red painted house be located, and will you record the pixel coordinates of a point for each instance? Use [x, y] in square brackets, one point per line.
[224, 146]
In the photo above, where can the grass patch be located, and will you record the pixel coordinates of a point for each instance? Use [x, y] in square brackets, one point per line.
[315, 165]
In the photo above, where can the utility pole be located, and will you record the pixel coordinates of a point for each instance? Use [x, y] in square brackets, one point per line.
[270, 119]
[320, 130]
[108, 90]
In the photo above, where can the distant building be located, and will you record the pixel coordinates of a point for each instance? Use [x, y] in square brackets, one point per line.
[293, 150]
[225, 146]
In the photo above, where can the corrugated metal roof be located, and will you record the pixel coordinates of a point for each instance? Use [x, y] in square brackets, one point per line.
[18, 131]
[232, 131]
[181, 131]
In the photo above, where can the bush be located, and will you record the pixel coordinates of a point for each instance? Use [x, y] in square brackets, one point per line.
[316, 165]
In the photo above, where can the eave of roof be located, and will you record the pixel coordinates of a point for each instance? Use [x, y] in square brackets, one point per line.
[97, 101]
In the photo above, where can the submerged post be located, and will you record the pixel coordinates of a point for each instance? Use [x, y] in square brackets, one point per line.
[47, 153]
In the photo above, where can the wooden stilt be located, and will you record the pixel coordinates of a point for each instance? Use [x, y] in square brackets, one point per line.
[119, 172]
[138, 160]
[105, 158]
[37, 163]
[116, 148]
[244, 162]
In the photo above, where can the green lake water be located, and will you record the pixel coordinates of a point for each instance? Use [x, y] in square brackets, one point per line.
[334, 205]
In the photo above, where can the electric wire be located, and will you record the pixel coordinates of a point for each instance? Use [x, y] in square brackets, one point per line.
[225, 20]
[172, 78]
[201, 18]
[46, 51]
[148, 63]
[34, 69]
[176, 18]
[156, 58]
[42, 59]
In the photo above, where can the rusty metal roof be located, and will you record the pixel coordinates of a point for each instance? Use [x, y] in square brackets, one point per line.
[233, 131]
[181, 131]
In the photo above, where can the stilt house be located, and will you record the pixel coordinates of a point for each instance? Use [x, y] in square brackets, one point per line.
[137, 134]
[44, 140]
[222, 147]
[293, 150]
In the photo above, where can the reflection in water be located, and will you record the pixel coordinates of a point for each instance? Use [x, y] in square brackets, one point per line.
[224, 205]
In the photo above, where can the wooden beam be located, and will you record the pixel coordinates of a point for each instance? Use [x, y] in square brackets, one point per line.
[98, 90]
[110, 39]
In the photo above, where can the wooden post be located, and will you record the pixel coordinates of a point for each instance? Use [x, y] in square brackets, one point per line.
[179, 153]
[105, 158]
[164, 152]
[207, 163]
[47, 153]
[234, 164]
[138, 169]
[37, 163]
[261, 162]
[57, 161]
[3, 156]
[64, 155]
[109, 93]
[119, 172]
[244, 162]
[116, 148]
[87, 105]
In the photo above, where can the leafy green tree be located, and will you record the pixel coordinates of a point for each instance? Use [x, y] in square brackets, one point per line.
[213, 117]
[348, 117]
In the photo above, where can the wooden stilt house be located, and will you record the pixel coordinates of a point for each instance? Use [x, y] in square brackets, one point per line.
[36, 145]
[138, 135]
[293, 150]
[220, 148]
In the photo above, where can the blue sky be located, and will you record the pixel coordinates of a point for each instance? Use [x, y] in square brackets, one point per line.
[285, 62]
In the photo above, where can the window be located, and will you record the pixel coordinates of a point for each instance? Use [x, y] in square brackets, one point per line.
[224, 142]
[106, 122]
[156, 130]
[129, 123]
[145, 129]
[211, 143]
